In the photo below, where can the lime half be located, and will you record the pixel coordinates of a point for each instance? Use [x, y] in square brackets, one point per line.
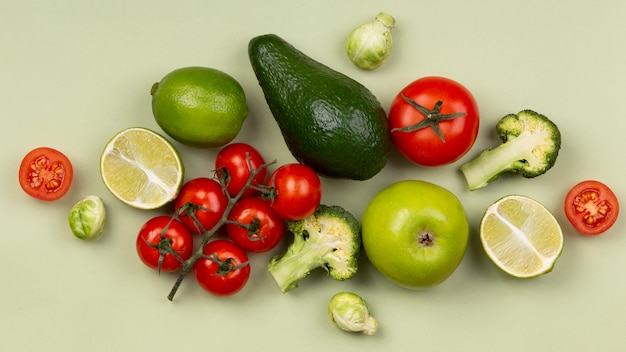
[521, 236]
[141, 168]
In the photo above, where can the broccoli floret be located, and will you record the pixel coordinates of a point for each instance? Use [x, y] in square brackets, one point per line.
[330, 238]
[531, 144]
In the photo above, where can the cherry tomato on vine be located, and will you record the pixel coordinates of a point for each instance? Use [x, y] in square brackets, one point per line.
[224, 270]
[45, 173]
[263, 230]
[237, 158]
[161, 236]
[208, 203]
[434, 121]
[591, 207]
[297, 191]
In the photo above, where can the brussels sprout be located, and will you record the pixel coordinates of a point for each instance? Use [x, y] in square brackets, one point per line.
[369, 45]
[349, 312]
[87, 218]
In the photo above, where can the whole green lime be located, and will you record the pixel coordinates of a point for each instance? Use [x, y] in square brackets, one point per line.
[199, 106]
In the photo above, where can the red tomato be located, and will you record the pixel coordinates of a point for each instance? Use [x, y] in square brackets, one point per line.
[591, 207]
[237, 159]
[157, 236]
[297, 191]
[46, 174]
[224, 270]
[208, 200]
[434, 121]
[264, 227]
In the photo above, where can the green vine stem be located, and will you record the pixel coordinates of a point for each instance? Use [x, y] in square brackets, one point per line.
[431, 119]
[208, 234]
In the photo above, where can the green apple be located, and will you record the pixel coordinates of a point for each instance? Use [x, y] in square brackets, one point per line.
[415, 233]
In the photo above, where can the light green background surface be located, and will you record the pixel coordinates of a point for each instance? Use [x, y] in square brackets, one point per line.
[73, 73]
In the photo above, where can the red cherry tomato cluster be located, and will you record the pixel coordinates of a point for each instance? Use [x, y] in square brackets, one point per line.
[242, 201]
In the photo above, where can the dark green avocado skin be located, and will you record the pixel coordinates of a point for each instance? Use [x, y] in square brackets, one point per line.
[330, 122]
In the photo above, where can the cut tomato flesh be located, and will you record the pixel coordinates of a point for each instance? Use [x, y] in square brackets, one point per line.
[591, 207]
[45, 173]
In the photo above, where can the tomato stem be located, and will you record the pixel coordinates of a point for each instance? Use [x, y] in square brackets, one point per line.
[164, 246]
[431, 118]
[208, 234]
[224, 266]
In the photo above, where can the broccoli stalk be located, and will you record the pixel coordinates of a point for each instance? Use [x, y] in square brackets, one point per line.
[531, 144]
[330, 238]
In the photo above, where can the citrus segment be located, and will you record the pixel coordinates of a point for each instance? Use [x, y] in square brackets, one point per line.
[521, 236]
[141, 168]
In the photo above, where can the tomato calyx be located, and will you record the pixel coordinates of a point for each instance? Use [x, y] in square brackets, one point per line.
[254, 229]
[224, 266]
[223, 176]
[164, 246]
[189, 209]
[269, 192]
[432, 118]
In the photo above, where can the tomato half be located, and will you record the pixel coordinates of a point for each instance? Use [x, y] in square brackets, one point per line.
[434, 121]
[160, 235]
[224, 270]
[254, 225]
[591, 207]
[297, 191]
[46, 174]
[239, 159]
[205, 198]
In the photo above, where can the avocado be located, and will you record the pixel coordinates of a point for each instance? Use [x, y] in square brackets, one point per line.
[330, 122]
